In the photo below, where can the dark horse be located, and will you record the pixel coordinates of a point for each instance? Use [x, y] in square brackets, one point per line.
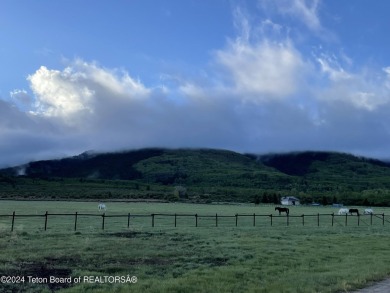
[282, 210]
[356, 211]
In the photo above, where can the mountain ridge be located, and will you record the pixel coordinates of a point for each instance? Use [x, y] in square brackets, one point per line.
[215, 174]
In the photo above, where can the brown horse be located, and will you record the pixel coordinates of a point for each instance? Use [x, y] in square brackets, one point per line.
[282, 210]
[352, 211]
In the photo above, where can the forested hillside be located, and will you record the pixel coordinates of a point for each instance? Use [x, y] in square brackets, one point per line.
[203, 175]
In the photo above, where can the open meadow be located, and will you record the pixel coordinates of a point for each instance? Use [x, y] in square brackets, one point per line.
[214, 252]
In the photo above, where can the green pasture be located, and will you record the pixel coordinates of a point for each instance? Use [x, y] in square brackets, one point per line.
[185, 258]
[138, 215]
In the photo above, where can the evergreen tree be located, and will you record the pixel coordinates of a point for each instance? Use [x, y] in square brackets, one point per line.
[275, 199]
[265, 198]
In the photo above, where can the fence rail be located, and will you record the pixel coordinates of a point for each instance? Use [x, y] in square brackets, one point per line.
[197, 220]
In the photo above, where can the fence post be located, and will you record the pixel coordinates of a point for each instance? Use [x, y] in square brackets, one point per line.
[236, 219]
[346, 219]
[128, 220]
[45, 220]
[371, 219]
[303, 220]
[358, 220]
[288, 219]
[254, 219]
[196, 220]
[75, 221]
[318, 219]
[13, 221]
[271, 218]
[175, 220]
[383, 219]
[103, 216]
[216, 220]
[332, 219]
[152, 220]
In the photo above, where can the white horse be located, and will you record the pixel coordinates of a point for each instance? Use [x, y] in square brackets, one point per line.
[102, 207]
[343, 211]
[368, 211]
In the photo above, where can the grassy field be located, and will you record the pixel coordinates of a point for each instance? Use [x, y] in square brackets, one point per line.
[164, 258]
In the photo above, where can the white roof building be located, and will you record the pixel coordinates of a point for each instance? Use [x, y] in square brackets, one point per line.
[290, 201]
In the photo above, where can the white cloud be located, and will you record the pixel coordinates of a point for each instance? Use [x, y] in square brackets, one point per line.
[387, 81]
[21, 97]
[268, 23]
[68, 92]
[332, 68]
[58, 93]
[305, 11]
[264, 70]
[121, 84]
[365, 100]
[242, 24]
[261, 63]
[358, 88]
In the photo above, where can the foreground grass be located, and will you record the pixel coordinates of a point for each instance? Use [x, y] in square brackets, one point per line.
[200, 260]
[203, 259]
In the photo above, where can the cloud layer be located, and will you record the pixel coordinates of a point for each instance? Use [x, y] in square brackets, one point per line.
[262, 94]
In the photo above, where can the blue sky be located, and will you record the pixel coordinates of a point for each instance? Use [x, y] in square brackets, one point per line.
[250, 76]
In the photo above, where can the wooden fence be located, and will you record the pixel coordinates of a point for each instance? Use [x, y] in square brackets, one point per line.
[194, 220]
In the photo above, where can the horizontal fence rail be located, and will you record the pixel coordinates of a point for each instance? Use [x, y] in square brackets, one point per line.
[194, 220]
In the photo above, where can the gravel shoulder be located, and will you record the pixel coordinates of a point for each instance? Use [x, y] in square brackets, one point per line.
[380, 287]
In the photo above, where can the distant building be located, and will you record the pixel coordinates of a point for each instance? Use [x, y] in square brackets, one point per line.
[337, 205]
[290, 201]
